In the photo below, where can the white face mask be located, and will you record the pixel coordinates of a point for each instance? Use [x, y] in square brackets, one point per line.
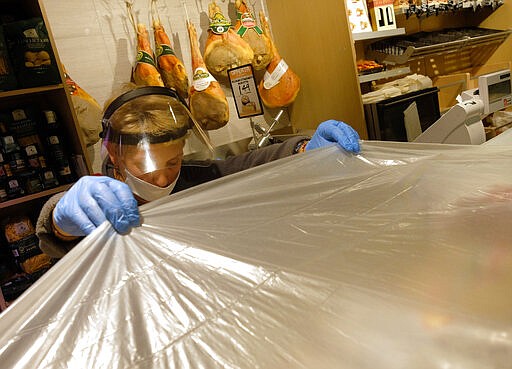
[146, 190]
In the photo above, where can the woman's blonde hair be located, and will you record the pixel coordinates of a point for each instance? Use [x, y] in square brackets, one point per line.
[153, 114]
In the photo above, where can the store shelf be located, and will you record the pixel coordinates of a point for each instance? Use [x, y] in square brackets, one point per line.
[34, 196]
[33, 90]
[400, 50]
[433, 10]
[50, 93]
[385, 74]
[361, 36]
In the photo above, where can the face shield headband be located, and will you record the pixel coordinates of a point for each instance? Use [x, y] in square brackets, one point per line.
[134, 139]
[133, 97]
[144, 130]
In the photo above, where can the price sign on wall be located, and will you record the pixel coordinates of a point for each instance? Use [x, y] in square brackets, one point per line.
[383, 14]
[245, 92]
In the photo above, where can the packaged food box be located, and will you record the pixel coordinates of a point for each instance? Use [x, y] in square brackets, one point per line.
[20, 282]
[3, 192]
[22, 122]
[31, 53]
[15, 286]
[21, 238]
[49, 178]
[31, 181]
[13, 188]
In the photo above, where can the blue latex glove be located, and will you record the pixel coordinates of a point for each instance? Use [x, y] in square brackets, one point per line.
[91, 201]
[334, 131]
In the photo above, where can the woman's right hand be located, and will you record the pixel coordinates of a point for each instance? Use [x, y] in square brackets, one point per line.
[91, 201]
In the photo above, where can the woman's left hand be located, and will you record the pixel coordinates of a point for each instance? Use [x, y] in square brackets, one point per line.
[333, 131]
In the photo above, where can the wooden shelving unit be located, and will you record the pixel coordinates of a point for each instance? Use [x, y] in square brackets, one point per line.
[55, 96]
[34, 196]
[362, 36]
[395, 72]
[323, 51]
[404, 50]
[29, 91]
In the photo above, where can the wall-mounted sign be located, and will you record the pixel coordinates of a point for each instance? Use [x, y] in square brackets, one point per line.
[245, 92]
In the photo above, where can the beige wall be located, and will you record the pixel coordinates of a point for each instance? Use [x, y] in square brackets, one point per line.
[501, 19]
[96, 43]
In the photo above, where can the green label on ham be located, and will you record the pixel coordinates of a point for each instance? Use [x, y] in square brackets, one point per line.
[219, 29]
[248, 22]
[144, 57]
[219, 24]
[164, 50]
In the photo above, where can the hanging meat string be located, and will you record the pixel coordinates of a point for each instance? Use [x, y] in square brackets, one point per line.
[145, 72]
[171, 68]
[224, 49]
[280, 85]
[247, 28]
[207, 100]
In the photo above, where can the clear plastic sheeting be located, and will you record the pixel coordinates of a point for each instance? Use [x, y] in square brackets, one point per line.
[399, 257]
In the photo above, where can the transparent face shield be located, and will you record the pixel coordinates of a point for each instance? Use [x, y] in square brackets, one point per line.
[144, 131]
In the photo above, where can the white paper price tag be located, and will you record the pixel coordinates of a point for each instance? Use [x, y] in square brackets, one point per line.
[272, 79]
[384, 14]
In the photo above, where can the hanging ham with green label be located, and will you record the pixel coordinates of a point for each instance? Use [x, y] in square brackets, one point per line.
[247, 28]
[280, 85]
[207, 100]
[145, 72]
[224, 49]
[171, 68]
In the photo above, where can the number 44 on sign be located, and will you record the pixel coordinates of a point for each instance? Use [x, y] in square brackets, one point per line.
[383, 14]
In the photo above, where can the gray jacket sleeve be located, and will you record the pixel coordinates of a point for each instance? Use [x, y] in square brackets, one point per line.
[264, 155]
[48, 242]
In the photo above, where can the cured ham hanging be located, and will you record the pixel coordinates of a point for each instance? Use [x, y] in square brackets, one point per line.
[145, 72]
[259, 42]
[280, 85]
[207, 100]
[171, 68]
[224, 49]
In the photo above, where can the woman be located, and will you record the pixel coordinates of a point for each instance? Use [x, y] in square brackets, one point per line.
[144, 133]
